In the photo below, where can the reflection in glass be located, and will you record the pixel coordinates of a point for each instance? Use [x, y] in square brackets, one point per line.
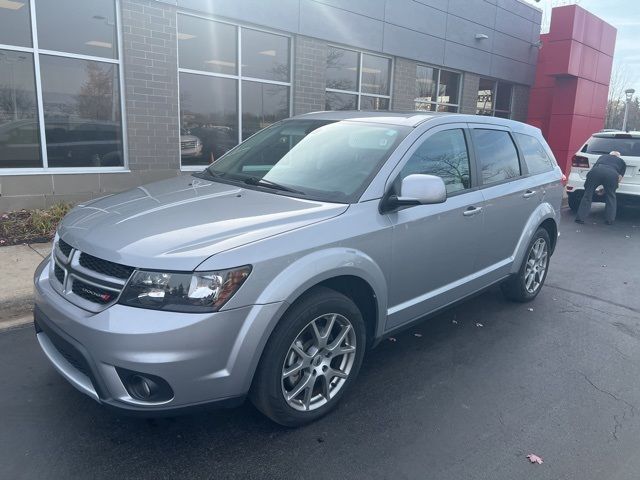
[375, 74]
[486, 91]
[87, 27]
[81, 100]
[342, 69]
[341, 101]
[265, 55]
[503, 97]
[445, 155]
[426, 83]
[496, 154]
[262, 105]
[209, 116]
[534, 154]
[425, 107]
[15, 23]
[449, 87]
[207, 45]
[19, 133]
[373, 103]
[448, 108]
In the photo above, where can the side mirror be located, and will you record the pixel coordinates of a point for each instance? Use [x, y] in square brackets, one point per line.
[420, 189]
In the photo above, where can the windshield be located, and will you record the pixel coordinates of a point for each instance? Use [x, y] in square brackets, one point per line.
[316, 159]
[627, 146]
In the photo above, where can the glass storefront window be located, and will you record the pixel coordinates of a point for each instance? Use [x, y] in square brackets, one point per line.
[207, 46]
[357, 80]
[15, 23]
[19, 131]
[228, 93]
[376, 72]
[262, 105]
[503, 99]
[81, 101]
[208, 118]
[342, 69]
[373, 103]
[437, 90]
[86, 27]
[486, 93]
[341, 101]
[265, 55]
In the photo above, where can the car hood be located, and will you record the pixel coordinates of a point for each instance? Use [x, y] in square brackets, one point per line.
[178, 223]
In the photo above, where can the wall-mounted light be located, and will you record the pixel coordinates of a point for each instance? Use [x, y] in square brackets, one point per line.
[481, 36]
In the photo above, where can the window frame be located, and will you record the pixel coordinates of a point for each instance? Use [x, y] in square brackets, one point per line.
[359, 93]
[239, 78]
[36, 52]
[437, 103]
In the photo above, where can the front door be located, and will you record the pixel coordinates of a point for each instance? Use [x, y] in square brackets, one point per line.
[434, 247]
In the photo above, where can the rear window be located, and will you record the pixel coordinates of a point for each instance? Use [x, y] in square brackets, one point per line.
[628, 147]
[534, 153]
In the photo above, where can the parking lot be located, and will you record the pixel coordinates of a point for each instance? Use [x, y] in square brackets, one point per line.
[465, 395]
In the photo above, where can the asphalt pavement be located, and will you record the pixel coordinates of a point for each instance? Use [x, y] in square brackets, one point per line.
[465, 395]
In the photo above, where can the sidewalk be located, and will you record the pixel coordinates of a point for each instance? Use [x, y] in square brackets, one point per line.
[17, 264]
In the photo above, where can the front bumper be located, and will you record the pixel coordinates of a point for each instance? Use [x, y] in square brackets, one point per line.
[205, 358]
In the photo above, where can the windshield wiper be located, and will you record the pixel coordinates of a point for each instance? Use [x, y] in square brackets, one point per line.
[262, 182]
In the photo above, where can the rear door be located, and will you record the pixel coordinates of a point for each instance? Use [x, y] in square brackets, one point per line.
[510, 196]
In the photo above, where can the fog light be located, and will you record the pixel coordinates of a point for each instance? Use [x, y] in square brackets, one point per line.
[146, 387]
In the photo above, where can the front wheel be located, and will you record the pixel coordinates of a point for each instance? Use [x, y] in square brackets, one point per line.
[311, 358]
[527, 283]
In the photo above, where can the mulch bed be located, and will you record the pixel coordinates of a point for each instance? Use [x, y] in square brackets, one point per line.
[30, 226]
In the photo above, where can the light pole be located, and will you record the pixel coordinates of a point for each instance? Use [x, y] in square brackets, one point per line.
[629, 93]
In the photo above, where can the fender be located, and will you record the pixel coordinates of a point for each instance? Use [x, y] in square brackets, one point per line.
[540, 214]
[322, 265]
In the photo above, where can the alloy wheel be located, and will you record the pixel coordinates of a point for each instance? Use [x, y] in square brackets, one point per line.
[318, 362]
[536, 266]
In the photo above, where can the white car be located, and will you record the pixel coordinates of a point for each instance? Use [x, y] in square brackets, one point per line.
[628, 144]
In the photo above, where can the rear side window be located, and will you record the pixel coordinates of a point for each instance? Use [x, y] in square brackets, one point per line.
[534, 154]
[496, 155]
[445, 155]
[627, 146]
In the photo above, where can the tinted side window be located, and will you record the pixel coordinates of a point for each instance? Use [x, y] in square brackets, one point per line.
[443, 154]
[496, 155]
[534, 154]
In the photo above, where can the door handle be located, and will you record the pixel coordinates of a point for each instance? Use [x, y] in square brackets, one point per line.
[529, 193]
[471, 211]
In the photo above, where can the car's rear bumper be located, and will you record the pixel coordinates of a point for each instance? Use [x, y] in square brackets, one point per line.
[204, 358]
[626, 193]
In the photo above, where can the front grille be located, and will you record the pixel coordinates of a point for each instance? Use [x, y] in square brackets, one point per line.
[64, 247]
[189, 145]
[105, 267]
[92, 293]
[59, 273]
[87, 281]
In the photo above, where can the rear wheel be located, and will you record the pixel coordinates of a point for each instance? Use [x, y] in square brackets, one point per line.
[574, 199]
[311, 358]
[527, 283]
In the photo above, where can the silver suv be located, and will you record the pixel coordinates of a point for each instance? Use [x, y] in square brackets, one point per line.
[272, 271]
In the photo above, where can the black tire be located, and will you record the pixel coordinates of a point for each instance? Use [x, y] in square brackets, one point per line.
[515, 288]
[574, 199]
[267, 389]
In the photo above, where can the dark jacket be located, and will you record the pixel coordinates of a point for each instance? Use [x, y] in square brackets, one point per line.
[614, 162]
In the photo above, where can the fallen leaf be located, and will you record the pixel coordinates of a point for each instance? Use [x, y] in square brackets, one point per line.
[419, 335]
[627, 236]
[479, 325]
[391, 339]
[530, 309]
[533, 458]
[603, 265]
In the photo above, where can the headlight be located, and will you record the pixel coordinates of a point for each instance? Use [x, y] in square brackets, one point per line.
[197, 292]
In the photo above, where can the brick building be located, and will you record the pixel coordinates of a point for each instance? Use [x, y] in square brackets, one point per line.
[97, 96]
